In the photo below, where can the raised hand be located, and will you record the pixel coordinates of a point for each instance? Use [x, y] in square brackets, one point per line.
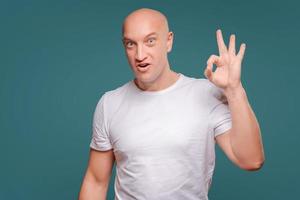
[228, 72]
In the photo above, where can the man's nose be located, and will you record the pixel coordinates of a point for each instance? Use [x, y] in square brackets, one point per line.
[140, 53]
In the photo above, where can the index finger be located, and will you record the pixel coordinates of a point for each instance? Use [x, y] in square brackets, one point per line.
[221, 45]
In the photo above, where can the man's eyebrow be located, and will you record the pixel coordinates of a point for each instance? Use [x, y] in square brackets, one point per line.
[150, 34]
[153, 33]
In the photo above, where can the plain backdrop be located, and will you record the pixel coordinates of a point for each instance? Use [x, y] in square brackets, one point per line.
[58, 57]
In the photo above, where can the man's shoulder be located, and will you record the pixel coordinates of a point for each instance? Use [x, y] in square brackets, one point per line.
[204, 87]
[118, 91]
[114, 97]
[198, 83]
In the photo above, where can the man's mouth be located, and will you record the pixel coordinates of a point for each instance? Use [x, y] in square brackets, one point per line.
[143, 65]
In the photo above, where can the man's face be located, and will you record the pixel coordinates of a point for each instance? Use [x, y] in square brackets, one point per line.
[147, 41]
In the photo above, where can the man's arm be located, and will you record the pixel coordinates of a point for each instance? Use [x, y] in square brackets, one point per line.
[242, 143]
[98, 173]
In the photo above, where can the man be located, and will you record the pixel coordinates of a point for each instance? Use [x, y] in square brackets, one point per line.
[161, 127]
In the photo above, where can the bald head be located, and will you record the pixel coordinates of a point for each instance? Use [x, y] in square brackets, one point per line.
[147, 42]
[136, 19]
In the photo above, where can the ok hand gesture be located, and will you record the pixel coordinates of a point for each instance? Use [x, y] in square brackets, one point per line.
[228, 72]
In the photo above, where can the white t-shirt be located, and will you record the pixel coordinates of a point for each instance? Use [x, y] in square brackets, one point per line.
[163, 141]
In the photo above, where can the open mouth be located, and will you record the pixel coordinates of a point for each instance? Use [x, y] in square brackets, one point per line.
[143, 65]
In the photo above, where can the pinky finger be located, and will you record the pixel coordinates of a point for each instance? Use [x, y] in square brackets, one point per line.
[241, 53]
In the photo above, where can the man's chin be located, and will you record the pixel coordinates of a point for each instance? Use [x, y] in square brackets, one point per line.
[144, 78]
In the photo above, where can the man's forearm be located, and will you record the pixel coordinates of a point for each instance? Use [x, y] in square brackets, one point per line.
[92, 191]
[245, 134]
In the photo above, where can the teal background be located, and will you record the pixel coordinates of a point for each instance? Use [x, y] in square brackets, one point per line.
[59, 57]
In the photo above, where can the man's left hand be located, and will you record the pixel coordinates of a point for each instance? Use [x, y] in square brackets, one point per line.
[228, 72]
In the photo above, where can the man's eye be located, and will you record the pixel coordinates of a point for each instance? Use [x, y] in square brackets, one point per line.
[129, 44]
[151, 41]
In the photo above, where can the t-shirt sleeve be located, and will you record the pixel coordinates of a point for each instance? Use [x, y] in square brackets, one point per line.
[100, 134]
[220, 117]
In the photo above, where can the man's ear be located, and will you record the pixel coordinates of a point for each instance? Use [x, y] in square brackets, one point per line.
[170, 41]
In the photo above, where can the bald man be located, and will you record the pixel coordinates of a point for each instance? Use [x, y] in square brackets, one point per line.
[161, 127]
